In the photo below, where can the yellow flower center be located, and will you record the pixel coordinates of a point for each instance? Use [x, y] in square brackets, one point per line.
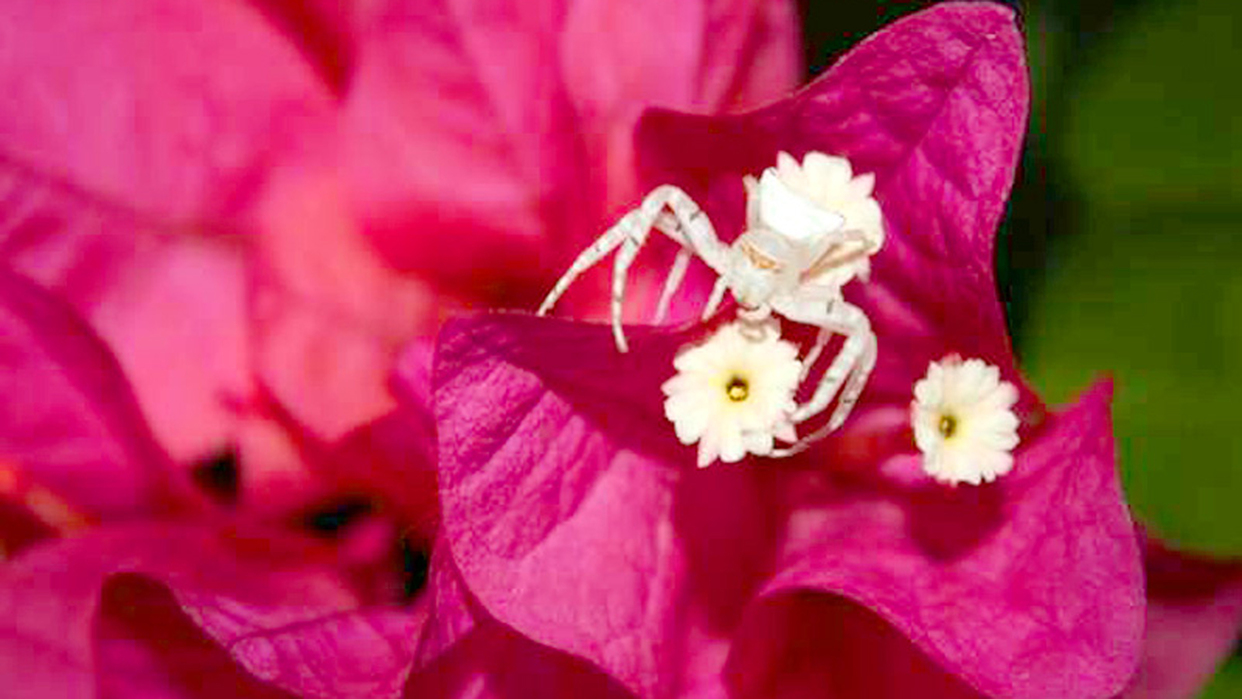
[737, 389]
[947, 426]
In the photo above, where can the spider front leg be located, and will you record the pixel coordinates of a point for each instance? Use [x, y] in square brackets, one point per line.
[677, 273]
[686, 224]
[846, 376]
[601, 248]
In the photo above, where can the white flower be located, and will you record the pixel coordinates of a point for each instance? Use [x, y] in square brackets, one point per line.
[964, 421]
[734, 393]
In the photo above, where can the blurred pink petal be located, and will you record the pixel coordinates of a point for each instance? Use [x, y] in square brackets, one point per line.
[129, 160]
[457, 136]
[264, 602]
[117, 101]
[217, 596]
[488, 141]
[69, 424]
[706, 56]
[172, 170]
[394, 457]
[328, 314]
[1194, 619]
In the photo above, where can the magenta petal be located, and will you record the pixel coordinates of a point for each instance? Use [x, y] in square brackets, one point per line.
[69, 421]
[393, 457]
[559, 482]
[312, 649]
[753, 54]
[810, 646]
[495, 663]
[163, 107]
[451, 612]
[510, 124]
[459, 139]
[286, 622]
[709, 56]
[1194, 617]
[130, 130]
[146, 647]
[1028, 588]
[328, 314]
[935, 106]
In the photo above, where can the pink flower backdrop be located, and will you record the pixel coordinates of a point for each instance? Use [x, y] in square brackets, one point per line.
[259, 437]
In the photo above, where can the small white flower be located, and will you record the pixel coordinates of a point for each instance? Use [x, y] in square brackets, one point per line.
[964, 421]
[734, 393]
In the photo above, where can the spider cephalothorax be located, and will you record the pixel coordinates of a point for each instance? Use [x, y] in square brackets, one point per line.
[810, 229]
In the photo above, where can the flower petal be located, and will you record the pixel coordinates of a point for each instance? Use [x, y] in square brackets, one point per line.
[510, 123]
[496, 663]
[163, 107]
[457, 121]
[329, 314]
[807, 646]
[1030, 587]
[241, 600]
[703, 56]
[935, 107]
[572, 512]
[68, 421]
[131, 130]
[146, 647]
[1194, 615]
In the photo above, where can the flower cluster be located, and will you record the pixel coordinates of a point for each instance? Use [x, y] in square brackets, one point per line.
[234, 462]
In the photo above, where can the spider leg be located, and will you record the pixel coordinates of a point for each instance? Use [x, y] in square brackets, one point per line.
[716, 298]
[690, 227]
[620, 272]
[601, 248]
[693, 229]
[856, 383]
[850, 321]
[679, 218]
[676, 275]
[667, 224]
[821, 341]
[634, 223]
[846, 375]
[684, 222]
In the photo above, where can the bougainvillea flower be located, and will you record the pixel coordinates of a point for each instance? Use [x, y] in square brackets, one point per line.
[256, 203]
[574, 517]
[147, 594]
[1194, 620]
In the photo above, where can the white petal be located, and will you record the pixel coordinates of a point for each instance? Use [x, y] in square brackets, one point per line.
[732, 448]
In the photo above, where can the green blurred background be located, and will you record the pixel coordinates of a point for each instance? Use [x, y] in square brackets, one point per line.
[1122, 250]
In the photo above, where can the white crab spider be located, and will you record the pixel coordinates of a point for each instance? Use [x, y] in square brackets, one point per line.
[810, 229]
